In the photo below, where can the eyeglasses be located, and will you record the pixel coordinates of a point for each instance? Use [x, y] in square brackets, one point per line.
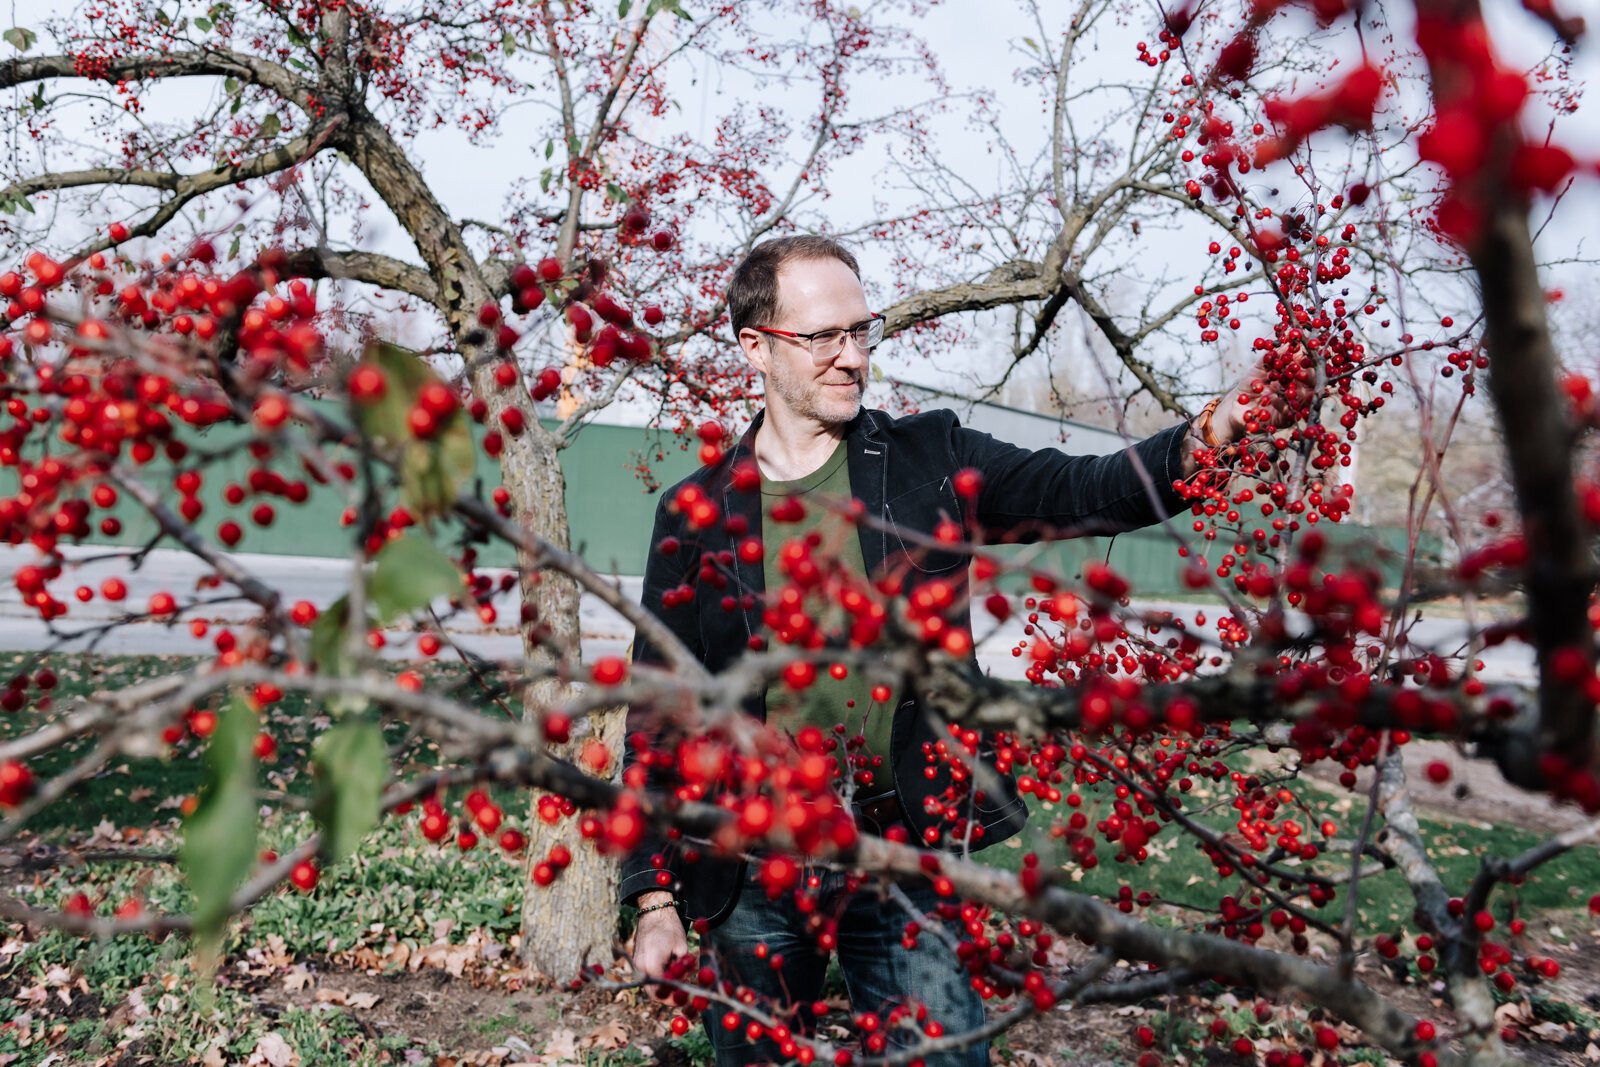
[827, 344]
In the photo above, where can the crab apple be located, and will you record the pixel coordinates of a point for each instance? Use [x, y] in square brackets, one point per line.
[488, 818]
[304, 613]
[466, 840]
[513, 841]
[304, 876]
[609, 670]
[118, 232]
[16, 783]
[367, 384]
[663, 240]
[265, 747]
[162, 604]
[1437, 772]
[505, 375]
[203, 723]
[557, 728]
[636, 220]
[653, 315]
[581, 321]
[229, 532]
[435, 826]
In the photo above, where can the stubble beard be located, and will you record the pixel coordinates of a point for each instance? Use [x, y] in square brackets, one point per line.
[809, 398]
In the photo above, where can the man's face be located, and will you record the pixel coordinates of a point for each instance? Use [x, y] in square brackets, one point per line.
[813, 295]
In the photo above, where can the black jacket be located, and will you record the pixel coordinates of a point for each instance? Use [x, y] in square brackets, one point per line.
[901, 470]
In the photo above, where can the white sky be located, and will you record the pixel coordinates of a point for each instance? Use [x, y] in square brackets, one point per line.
[978, 44]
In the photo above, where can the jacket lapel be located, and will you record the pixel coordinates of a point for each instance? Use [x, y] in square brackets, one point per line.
[750, 580]
[869, 480]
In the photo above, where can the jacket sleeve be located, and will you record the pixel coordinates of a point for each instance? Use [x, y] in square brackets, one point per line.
[661, 573]
[1049, 494]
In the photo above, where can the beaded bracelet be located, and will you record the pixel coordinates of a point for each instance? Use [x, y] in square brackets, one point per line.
[658, 907]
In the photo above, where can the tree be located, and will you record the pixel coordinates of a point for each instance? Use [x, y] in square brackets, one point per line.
[321, 104]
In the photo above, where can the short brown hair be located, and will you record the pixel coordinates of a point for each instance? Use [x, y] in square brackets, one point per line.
[753, 291]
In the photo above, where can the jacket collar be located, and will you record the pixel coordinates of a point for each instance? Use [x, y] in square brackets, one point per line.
[868, 460]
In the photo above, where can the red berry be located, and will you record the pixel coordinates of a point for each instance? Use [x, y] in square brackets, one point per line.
[550, 269]
[609, 670]
[367, 384]
[16, 783]
[304, 876]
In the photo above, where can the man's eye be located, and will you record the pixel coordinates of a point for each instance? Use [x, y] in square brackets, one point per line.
[827, 337]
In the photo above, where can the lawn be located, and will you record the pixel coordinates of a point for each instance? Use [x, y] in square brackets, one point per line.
[405, 952]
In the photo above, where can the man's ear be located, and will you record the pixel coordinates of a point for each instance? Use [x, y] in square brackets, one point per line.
[753, 344]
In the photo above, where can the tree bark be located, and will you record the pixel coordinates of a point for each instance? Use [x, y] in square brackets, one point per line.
[572, 923]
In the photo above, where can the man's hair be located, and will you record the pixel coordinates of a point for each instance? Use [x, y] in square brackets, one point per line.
[753, 292]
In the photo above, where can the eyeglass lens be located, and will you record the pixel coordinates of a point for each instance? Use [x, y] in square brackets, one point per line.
[830, 343]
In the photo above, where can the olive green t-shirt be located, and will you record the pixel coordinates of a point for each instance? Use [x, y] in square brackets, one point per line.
[829, 700]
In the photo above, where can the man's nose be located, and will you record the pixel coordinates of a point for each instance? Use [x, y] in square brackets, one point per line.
[852, 356]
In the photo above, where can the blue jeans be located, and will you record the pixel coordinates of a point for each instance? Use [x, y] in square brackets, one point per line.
[878, 970]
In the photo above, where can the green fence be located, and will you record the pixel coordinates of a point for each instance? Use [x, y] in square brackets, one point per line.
[610, 512]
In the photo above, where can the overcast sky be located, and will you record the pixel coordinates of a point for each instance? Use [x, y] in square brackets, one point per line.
[978, 45]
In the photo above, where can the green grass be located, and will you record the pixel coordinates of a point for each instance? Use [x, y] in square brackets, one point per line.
[397, 887]
[1179, 872]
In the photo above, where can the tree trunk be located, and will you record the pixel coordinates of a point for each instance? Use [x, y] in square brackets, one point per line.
[572, 922]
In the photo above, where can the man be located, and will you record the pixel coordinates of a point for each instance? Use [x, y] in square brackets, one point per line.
[802, 320]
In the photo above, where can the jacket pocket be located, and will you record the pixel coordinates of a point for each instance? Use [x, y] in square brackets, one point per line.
[918, 512]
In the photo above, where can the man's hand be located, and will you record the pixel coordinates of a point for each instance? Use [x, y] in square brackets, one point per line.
[659, 938]
[1234, 418]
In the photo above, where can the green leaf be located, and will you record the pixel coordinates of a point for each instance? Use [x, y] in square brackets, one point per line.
[350, 763]
[549, 148]
[328, 638]
[617, 193]
[623, 7]
[544, 180]
[432, 471]
[230, 85]
[271, 125]
[297, 38]
[411, 572]
[477, 57]
[219, 839]
[20, 38]
[202, 24]
[27, 205]
[508, 43]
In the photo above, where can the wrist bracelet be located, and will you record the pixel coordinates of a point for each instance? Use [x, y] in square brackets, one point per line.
[658, 907]
[1208, 435]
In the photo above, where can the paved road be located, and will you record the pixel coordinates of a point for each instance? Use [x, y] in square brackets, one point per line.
[323, 581]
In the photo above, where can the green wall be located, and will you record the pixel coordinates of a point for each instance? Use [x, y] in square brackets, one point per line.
[611, 513]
